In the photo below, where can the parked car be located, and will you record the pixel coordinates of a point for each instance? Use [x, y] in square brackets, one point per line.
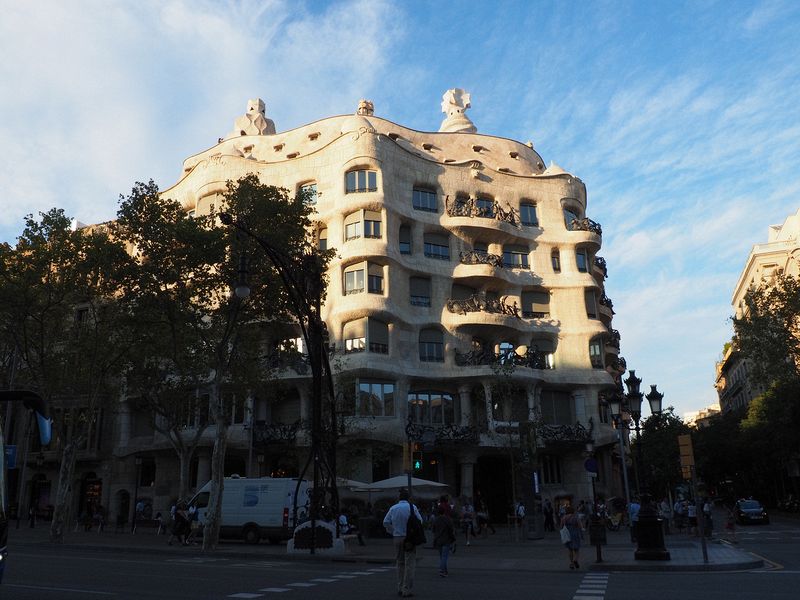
[750, 511]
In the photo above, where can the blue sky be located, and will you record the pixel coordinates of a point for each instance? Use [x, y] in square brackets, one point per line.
[682, 118]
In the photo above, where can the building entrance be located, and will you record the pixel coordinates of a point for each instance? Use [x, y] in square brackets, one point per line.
[493, 487]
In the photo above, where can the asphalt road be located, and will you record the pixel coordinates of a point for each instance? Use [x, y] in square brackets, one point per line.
[52, 573]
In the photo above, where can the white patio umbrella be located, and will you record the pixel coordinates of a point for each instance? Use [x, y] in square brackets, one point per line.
[400, 481]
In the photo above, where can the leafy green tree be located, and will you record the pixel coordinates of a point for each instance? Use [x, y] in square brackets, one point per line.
[661, 470]
[56, 306]
[193, 328]
[767, 333]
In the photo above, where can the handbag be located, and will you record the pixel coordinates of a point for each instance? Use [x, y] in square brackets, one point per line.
[566, 538]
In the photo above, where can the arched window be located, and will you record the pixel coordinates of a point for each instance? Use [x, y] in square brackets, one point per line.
[515, 256]
[582, 259]
[354, 279]
[431, 345]
[309, 192]
[485, 207]
[361, 180]
[590, 297]
[323, 239]
[355, 336]
[535, 304]
[569, 217]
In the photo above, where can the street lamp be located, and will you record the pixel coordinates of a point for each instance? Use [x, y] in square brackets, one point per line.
[631, 403]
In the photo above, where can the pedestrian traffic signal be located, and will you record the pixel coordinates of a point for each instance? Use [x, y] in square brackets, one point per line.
[417, 462]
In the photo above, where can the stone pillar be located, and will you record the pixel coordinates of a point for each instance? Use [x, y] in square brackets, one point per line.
[467, 477]
[124, 418]
[487, 392]
[401, 389]
[465, 401]
[532, 392]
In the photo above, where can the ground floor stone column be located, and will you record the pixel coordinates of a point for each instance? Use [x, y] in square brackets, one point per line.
[467, 477]
[465, 400]
[203, 466]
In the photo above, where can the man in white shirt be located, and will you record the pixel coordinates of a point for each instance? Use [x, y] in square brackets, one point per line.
[395, 523]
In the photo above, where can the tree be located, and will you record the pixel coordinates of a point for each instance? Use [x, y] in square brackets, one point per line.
[661, 470]
[186, 268]
[56, 297]
[767, 333]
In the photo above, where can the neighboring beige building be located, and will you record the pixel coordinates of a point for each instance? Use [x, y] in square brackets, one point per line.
[779, 255]
[455, 250]
[701, 418]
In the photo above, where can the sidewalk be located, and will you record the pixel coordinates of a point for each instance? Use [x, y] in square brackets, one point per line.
[496, 552]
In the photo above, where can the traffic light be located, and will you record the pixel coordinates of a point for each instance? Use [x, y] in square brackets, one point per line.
[416, 459]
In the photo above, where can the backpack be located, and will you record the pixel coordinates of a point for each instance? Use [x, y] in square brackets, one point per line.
[415, 534]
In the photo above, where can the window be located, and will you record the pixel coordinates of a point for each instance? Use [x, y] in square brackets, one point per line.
[361, 180]
[596, 353]
[354, 281]
[603, 410]
[309, 192]
[581, 260]
[556, 407]
[480, 248]
[551, 469]
[485, 207]
[515, 257]
[404, 239]
[527, 215]
[555, 260]
[424, 200]
[431, 345]
[420, 291]
[372, 224]
[323, 239]
[506, 352]
[569, 217]
[462, 292]
[535, 305]
[437, 246]
[591, 303]
[355, 336]
[352, 226]
[375, 398]
[544, 349]
[375, 279]
[378, 336]
[431, 407]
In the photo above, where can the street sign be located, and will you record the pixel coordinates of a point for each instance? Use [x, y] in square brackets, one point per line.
[686, 450]
[11, 456]
[535, 482]
[590, 464]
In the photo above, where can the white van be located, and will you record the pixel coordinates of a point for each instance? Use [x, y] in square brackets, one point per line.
[255, 509]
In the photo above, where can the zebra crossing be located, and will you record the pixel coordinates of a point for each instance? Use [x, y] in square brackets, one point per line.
[314, 582]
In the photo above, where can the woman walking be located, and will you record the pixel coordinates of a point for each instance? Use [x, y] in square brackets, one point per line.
[575, 528]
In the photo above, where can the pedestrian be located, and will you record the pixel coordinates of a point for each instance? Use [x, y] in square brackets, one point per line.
[395, 523]
[467, 520]
[633, 513]
[180, 527]
[730, 524]
[691, 514]
[31, 516]
[665, 512]
[572, 522]
[347, 528]
[548, 516]
[708, 523]
[482, 519]
[138, 511]
[159, 523]
[194, 523]
[444, 535]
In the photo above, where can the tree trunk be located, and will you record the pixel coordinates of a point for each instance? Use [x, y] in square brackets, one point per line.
[64, 493]
[184, 459]
[214, 511]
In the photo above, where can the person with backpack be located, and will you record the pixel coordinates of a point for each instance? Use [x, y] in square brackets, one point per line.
[404, 523]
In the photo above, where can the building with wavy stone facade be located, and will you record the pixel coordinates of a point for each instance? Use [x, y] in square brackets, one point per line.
[461, 261]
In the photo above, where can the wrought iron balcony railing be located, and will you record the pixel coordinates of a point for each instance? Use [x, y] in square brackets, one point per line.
[469, 207]
[565, 434]
[586, 224]
[600, 263]
[442, 435]
[606, 301]
[477, 257]
[275, 433]
[479, 303]
[613, 338]
[532, 359]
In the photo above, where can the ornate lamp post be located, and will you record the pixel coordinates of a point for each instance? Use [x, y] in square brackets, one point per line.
[302, 279]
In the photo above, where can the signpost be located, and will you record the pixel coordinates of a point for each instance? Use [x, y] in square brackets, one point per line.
[689, 472]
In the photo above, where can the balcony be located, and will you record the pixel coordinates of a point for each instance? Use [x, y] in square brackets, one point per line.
[606, 301]
[532, 359]
[613, 338]
[296, 361]
[478, 257]
[469, 207]
[586, 224]
[479, 303]
[600, 265]
[442, 435]
[275, 433]
[565, 435]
